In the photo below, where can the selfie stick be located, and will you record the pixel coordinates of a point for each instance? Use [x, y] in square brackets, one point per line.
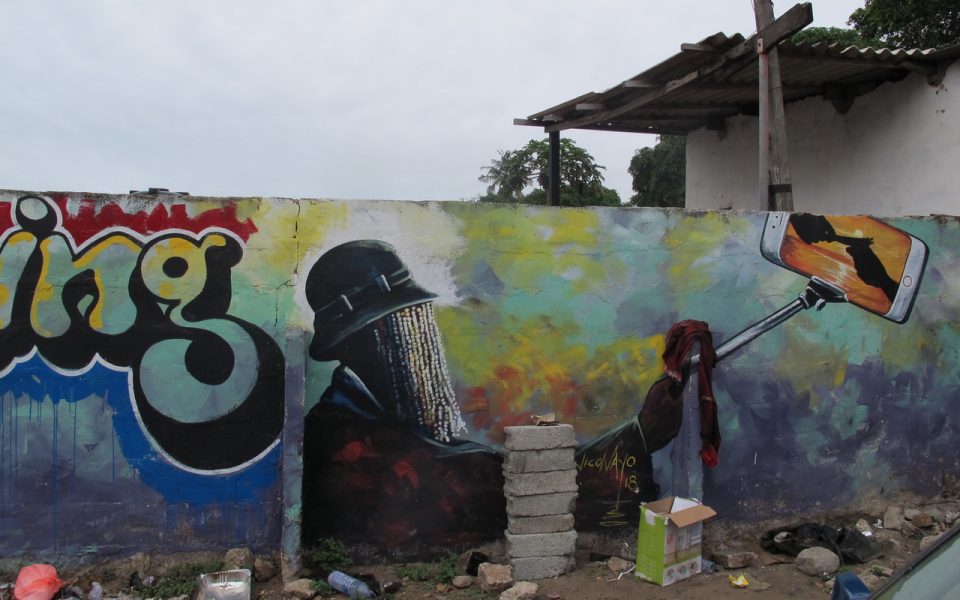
[816, 295]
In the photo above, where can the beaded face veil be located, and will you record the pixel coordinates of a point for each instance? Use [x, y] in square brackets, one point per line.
[410, 352]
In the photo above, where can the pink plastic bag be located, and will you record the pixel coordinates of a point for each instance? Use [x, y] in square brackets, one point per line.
[37, 582]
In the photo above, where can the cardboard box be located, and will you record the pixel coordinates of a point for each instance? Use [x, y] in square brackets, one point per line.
[669, 539]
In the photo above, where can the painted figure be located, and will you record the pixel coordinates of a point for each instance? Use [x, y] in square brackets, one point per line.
[381, 455]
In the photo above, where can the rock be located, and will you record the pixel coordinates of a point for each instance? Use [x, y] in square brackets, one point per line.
[470, 560]
[817, 561]
[908, 529]
[928, 540]
[619, 565]
[494, 578]
[881, 570]
[525, 590]
[759, 586]
[462, 582]
[730, 559]
[910, 513]
[893, 518]
[301, 588]
[863, 526]
[951, 516]
[263, 570]
[935, 513]
[922, 520]
[238, 558]
[871, 581]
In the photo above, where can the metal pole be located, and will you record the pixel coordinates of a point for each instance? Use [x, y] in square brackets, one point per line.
[553, 196]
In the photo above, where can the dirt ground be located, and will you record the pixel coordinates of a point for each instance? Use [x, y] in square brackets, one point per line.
[596, 582]
[769, 576]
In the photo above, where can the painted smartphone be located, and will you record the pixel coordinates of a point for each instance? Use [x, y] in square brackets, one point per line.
[877, 266]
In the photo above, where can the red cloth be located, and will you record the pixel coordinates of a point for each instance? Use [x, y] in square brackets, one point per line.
[680, 341]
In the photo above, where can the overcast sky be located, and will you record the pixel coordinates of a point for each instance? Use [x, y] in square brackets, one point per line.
[401, 99]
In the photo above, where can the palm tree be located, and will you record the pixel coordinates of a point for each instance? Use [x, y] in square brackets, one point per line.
[507, 175]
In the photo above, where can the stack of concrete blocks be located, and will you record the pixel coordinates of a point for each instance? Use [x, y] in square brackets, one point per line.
[540, 476]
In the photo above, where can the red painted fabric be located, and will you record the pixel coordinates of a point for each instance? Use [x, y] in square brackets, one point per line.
[680, 342]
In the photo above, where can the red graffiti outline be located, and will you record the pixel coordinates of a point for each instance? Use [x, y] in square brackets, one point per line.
[92, 217]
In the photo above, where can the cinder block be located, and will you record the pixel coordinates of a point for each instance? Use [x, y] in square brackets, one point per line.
[541, 524]
[541, 504]
[531, 437]
[541, 567]
[547, 482]
[530, 461]
[541, 544]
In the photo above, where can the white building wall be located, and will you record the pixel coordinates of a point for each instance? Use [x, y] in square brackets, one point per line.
[896, 152]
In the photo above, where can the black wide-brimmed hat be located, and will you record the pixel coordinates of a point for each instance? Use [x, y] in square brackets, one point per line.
[353, 285]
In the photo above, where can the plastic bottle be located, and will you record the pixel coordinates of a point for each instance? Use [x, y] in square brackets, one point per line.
[349, 585]
[707, 566]
[96, 592]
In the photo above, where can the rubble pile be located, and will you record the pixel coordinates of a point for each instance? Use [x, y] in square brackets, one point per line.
[873, 546]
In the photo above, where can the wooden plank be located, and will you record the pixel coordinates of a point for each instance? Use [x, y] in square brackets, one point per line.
[697, 48]
[778, 174]
[655, 128]
[788, 24]
[640, 83]
[528, 123]
[793, 20]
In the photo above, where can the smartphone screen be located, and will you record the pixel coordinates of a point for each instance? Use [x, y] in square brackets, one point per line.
[877, 266]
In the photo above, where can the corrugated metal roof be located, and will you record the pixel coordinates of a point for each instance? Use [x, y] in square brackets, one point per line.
[680, 98]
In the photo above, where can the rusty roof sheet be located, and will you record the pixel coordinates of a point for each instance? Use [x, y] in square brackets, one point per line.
[680, 100]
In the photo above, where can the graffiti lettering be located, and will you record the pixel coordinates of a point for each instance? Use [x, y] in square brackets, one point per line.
[612, 463]
[207, 386]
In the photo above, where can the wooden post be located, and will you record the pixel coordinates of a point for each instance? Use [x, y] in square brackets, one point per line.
[779, 190]
[553, 195]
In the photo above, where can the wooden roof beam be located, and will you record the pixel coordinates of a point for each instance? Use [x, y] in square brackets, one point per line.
[588, 106]
[733, 60]
[641, 83]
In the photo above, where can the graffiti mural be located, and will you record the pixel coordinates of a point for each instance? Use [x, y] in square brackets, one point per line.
[168, 324]
[386, 455]
[142, 371]
[197, 393]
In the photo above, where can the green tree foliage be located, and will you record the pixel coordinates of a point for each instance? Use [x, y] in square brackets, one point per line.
[830, 35]
[909, 23]
[659, 173]
[581, 178]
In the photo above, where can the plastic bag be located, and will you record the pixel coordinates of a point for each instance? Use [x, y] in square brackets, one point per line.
[740, 581]
[37, 582]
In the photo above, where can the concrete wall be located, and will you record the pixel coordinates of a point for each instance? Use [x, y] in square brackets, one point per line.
[893, 153]
[144, 342]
